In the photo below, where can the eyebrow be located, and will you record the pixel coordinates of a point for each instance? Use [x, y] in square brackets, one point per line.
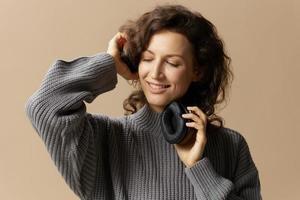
[169, 55]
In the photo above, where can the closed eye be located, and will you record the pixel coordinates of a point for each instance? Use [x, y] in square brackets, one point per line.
[174, 65]
[149, 60]
[146, 60]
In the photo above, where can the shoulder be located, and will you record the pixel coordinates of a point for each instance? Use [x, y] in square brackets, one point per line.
[226, 148]
[228, 137]
[233, 134]
[101, 122]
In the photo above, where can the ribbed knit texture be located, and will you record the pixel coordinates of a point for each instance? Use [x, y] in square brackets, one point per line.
[102, 157]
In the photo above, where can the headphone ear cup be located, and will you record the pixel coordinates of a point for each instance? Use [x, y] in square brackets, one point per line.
[172, 123]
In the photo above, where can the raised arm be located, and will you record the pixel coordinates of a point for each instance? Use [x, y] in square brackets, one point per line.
[58, 113]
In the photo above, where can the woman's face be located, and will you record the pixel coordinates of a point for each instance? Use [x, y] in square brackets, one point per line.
[166, 69]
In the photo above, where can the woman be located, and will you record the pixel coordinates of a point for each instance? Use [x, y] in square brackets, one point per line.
[179, 58]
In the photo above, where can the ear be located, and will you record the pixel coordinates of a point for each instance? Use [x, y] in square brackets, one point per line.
[197, 74]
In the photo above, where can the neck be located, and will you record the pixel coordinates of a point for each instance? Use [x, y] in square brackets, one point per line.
[156, 109]
[147, 119]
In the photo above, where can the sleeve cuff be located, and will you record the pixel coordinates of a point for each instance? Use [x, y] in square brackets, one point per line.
[207, 183]
[105, 78]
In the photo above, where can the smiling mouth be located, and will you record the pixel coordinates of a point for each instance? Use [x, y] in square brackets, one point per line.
[155, 85]
[157, 88]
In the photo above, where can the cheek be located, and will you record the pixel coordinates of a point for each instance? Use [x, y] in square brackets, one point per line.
[181, 81]
[142, 75]
[141, 71]
[177, 77]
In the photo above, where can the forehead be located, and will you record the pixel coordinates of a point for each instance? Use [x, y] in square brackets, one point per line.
[167, 42]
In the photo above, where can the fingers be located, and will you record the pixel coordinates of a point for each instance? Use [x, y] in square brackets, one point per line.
[198, 126]
[115, 47]
[192, 116]
[117, 43]
[199, 118]
[122, 35]
[198, 112]
[121, 39]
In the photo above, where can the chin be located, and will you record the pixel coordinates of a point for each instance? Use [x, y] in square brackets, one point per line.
[158, 103]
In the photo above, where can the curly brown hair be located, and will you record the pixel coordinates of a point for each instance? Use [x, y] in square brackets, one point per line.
[208, 51]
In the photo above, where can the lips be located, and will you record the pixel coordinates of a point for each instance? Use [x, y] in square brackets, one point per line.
[157, 88]
[156, 85]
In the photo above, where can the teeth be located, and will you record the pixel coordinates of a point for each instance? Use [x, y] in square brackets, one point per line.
[158, 86]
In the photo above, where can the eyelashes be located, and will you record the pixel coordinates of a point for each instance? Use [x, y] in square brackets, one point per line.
[172, 64]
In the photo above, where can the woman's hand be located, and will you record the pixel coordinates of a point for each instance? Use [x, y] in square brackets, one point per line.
[115, 45]
[191, 149]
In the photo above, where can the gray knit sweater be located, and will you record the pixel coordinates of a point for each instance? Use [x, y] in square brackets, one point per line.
[102, 157]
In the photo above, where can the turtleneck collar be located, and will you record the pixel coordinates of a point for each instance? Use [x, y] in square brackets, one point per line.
[148, 119]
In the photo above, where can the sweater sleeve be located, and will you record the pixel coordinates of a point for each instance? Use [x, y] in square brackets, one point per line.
[57, 112]
[208, 184]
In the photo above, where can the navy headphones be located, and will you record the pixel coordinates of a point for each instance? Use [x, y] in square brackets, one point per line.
[173, 125]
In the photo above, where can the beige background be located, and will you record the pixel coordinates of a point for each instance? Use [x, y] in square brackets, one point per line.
[261, 36]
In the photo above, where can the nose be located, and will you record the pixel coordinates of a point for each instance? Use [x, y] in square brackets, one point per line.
[157, 71]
